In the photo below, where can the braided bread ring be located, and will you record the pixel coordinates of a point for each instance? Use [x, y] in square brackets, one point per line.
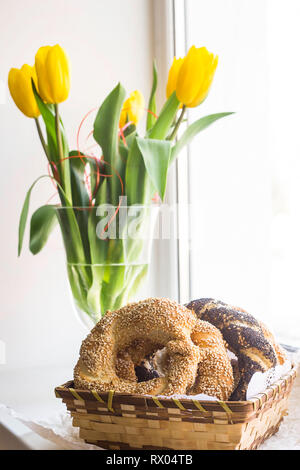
[248, 339]
[157, 323]
[280, 354]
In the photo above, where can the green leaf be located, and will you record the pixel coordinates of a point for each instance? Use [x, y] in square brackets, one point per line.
[156, 155]
[101, 197]
[24, 214]
[106, 124]
[98, 253]
[152, 102]
[129, 130]
[42, 223]
[80, 195]
[193, 130]
[48, 115]
[98, 246]
[165, 118]
[62, 167]
[136, 176]
[124, 151]
[106, 128]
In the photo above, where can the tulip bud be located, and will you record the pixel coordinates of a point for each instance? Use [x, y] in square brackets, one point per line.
[195, 76]
[133, 108]
[53, 73]
[20, 87]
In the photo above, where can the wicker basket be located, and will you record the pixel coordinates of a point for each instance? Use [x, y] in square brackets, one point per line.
[120, 421]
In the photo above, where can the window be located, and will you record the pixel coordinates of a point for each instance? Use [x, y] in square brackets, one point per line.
[243, 172]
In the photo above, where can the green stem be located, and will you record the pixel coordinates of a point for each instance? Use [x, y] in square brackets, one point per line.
[42, 138]
[58, 133]
[175, 130]
[63, 162]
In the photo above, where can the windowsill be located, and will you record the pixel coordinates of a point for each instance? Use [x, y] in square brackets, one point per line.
[30, 392]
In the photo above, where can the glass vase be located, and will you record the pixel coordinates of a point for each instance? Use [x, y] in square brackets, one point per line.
[108, 252]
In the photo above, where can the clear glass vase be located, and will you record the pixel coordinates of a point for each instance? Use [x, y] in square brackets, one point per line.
[108, 252]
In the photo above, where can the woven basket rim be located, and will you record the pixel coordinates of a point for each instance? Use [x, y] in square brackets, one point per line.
[255, 402]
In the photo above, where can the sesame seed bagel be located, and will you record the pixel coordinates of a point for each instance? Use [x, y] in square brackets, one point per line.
[195, 358]
[215, 374]
[245, 336]
[140, 329]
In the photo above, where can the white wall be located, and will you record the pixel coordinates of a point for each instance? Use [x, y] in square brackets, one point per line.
[107, 41]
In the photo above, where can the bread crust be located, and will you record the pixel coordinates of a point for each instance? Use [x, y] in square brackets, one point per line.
[250, 340]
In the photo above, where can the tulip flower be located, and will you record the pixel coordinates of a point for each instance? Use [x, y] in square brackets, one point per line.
[195, 76]
[53, 73]
[20, 87]
[173, 75]
[133, 108]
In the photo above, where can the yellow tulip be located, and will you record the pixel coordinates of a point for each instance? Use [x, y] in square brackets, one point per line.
[53, 73]
[173, 75]
[195, 76]
[133, 108]
[20, 87]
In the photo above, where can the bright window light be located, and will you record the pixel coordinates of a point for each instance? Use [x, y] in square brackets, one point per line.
[245, 170]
